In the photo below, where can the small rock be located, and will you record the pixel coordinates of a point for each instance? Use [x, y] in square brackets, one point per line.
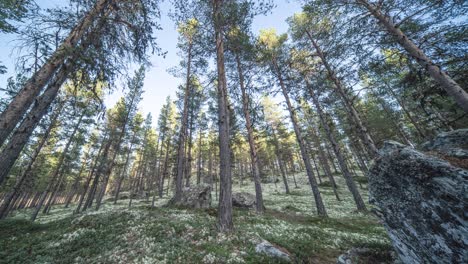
[243, 200]
[270, 250]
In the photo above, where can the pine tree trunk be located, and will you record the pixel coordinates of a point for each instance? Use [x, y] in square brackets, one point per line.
[351, 110]
[302, 146]
[183, 132]
[15, 111]
[57, 169]
[280, 161]
[199, 162]
[165, 167]
[250, 136]
[408, 114]
[225, 223]
[90, 175]
[323, 160]
[450, 86]
[124, 169]
[188, 164]
[341, 160]
[27, 172]
[21, 136]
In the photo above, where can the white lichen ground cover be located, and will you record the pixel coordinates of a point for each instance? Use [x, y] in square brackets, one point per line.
[117, 234]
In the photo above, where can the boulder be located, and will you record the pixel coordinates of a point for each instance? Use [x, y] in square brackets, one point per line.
[452, 146]
[243, 200]
[197, 196]
[270, 250]
[421, 199]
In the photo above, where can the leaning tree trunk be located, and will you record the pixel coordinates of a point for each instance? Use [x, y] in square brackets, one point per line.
[225, 223]
[58, 169]
[351, 110]
[302, 146]
[19, 139]
[450, 86]
[323, 160]
[336, 149]
[15, 111]
[27, 172]
[250, 135]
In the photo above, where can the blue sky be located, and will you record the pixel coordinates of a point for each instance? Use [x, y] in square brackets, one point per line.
[158, 83]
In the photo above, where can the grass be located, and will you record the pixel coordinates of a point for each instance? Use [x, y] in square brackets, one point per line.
[116, 234]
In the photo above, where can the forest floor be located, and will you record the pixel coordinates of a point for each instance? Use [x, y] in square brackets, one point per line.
[116, 234]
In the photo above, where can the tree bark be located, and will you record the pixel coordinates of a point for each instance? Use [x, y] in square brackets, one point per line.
[450, 86]
[279, 157]
[340, 89]
[21, 136]
[336, 149]
[225, 223]
[250, 136]
[183, 131]
[27, 172]
[15, 111]
[58, 168]
[302, 146]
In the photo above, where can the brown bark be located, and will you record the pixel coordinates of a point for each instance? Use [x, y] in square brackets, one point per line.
[15, 111]
[448, 84]
[27, 172]
[225, 223]
[250, 136]
[351, 110]
[58, 169]
[302, 146]
[183, 131]
[336, 149]
[21, 136]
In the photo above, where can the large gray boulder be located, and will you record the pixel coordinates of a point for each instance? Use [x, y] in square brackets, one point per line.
[243, 200]
[422, 200]
[451, 145]
[197, 196]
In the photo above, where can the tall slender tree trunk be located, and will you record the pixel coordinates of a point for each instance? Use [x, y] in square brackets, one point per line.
[15, 111]
[351, 110]
[341, 160]
[199, 159]
[165, 168]
[225, 223]
[183, 131]
[57, 169]
[21, 136]
[279, 157]
[124, 169]
[188, 164]
[250, 136]
[27, 172]
[90, 174]
[451, 87]
[302, 146]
